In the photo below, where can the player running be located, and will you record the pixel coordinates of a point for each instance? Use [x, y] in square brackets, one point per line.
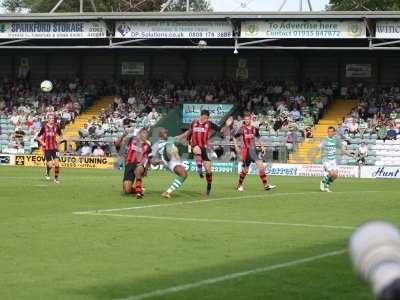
[331, 147]
[249, 140]
[165, 152]
[200, 131]
[137, 150]
[47, 138]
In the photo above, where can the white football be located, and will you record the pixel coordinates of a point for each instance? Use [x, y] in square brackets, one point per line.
[46, 86]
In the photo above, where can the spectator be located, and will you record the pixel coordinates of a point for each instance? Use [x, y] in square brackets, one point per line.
[362, 154]
[391, 134]
[98, 151]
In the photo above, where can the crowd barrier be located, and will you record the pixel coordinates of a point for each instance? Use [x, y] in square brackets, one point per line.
[276, 169]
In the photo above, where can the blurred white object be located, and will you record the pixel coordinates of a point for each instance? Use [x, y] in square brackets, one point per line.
[46, 86]
[375, 252]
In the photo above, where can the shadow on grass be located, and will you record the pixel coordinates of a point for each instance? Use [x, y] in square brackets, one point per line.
[324, 278]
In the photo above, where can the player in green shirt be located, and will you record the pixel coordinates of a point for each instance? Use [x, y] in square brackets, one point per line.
[165, 152]
[331, 149]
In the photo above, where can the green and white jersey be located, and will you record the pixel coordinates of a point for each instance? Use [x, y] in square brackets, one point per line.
[166, 150]
[330, 149]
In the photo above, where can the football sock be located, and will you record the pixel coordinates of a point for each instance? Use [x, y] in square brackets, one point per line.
[327, 180]
[263, 177]
[138, 186]
[176, 184]
[48, 171]
[56, 172]
[242, 177]
[209, 182]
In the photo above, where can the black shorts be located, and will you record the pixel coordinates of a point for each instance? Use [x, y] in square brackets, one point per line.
[129, 173]
[49, 155]
[204, 154]
[249, 156]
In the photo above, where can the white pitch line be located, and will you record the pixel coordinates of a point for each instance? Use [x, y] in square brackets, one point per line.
[266, 195]
[214, 280]
[225, 221]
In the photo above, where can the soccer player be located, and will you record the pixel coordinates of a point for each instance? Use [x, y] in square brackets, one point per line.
[250, 139]
[165, 152]
[137, 150]
[199, 132]
[47, 137]
[331, 147]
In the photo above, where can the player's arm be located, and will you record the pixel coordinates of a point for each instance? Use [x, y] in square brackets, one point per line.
[39, 137]
[259, 141]
[228, 124]
[118, 143]
[60, 134]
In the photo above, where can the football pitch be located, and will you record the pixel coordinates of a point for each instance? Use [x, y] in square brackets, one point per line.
[83, 239]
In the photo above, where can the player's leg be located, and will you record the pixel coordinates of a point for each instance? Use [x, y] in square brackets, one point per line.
[49, 163]
[331, 178]
[181, 173]
[198, 157]
[245, 164]
[129, 178]
[56, 162]
[207, 167]
[139, 172]
[330, 175]
[263, 175]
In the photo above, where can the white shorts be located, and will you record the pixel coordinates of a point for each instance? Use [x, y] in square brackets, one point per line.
[330, 165]
[173, 163]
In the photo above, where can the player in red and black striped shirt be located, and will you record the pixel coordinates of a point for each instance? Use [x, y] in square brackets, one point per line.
[137, 150]
[249, 139]
[199, 133]
[48, 140]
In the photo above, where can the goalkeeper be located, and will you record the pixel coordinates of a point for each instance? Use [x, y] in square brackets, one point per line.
[165, 152]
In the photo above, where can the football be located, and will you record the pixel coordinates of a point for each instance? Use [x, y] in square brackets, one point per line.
[46, 86]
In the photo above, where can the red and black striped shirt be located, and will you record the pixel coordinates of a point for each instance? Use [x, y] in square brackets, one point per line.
[200, 132]
[249, 135]
[48, 135]
[137, 151]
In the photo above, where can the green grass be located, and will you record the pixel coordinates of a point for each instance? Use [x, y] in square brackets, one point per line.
[48, 252]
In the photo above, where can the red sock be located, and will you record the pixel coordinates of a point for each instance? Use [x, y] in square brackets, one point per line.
[263, 177]
[138, 186]
[209, 178]
[242, 177]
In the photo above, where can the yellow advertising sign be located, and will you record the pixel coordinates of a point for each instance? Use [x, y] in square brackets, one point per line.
[84, 162]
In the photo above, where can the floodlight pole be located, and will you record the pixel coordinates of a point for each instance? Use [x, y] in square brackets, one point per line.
[300, 5]
[81, 6]
[187, 5]
[56, 6]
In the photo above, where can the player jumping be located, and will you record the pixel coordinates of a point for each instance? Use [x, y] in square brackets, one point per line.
[199, 132]
[331, 147]
[165, 152]
[137, 150]
[47, 137]
[250, 139]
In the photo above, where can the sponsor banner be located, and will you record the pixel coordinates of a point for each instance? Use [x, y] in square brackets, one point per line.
[7, 160]
[218, 112]
[217, 167]
[132, 68]
[301, 170]
[387, 29]
[303, 29]
[358, 70]
[53, 30]
[380, 172]
[173, 29]
[84, 162]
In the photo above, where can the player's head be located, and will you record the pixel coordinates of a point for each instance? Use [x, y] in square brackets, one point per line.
[331, 131]
[163, 133]
[143, 134]
[50, 118]
[247, 118]
[204, 115]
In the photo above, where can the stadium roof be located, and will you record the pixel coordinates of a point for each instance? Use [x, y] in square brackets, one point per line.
[390, 15]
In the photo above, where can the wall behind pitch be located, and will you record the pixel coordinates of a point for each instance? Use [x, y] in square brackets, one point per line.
[6, 66]
[320, 67]
[172, 67]
[205, 66]
[97, 66]
[279, 66]
[63, 66]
